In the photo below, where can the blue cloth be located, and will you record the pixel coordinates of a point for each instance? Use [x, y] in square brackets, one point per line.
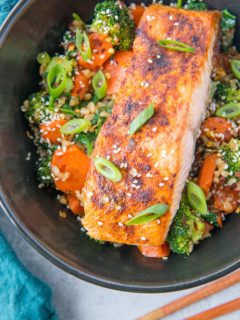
[22, 296]
[5, 7]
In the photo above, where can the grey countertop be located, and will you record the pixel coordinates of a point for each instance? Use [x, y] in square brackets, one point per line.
[75, 299]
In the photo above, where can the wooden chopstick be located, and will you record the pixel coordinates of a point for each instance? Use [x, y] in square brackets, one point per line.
[217, 311]
[193, 297]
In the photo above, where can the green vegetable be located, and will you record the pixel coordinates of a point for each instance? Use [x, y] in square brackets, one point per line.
[152, 213]
[179, 3]
[56, 82]
[75, 126]
[186, 230]
[37, 109]
[107, 169]
[211, 218]
[176, 45]
[63, 61]
[43, 58]
[229, 111]
[196, 198]
[87, 140]
[78, 22]
[235, 65]
[69, 85]
[214, 85]
[228, 20]
[83, 45]
[141, 119]
[99, 84]
[113, 18]
[225, 93]
[44, 171]
[230, 153]
[197, 5]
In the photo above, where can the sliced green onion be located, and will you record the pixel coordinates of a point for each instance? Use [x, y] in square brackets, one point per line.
[99, 84]
[228, 20]
[68, 111]
[148, 215]
[83, 45]
[235, 64]
[141, 119]
[176, 45]
[229, 111]
[56, 80]
[76, 17]
[69, 85]
[107, 169]
[196, 198]
[43, 58]
[179, 3]
[75, 126]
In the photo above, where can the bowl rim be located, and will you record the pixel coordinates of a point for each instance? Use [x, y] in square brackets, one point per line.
[93, 278]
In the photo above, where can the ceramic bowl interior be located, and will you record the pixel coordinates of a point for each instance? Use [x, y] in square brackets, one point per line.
[35, 26]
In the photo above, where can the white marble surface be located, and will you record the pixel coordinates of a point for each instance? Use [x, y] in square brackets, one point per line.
[78, 300]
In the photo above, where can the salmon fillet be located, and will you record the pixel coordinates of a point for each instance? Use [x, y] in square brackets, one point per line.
[156, 161]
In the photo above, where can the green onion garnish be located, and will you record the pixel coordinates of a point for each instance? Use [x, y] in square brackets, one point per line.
[179, 3]
[141, 119]
[56, 82]
[235, 64]
[99, 84]
[43, 58]
[176, 45]
[107, 169]
[75, 126]
[229, 111]
[196, 198]
[83, 45]
[148, 215]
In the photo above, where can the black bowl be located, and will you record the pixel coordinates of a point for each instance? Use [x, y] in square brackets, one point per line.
[34, 26]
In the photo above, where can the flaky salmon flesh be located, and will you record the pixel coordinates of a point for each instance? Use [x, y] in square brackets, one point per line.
[155, 161]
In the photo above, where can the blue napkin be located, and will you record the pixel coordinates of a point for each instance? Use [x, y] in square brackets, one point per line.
[5, 7]
[22, 296]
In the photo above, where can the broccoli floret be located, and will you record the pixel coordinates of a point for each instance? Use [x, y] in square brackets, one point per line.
[35, 107]
[113, 18]
[230, 153]
[186, 230]
[225, 93]
[44, 171]
[197, 5]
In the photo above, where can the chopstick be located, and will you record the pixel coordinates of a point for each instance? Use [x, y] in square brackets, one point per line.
[217, 311]
[193, 297]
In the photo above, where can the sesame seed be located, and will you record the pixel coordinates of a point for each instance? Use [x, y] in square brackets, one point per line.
[130, 216]
[166, 178]
[149, 175]
[129, 194]
[161, 184]
[120, 224]
[118, 208]
[149, 155]
[143, 238]
[156, 165]
[150, 61]
[158, 221]
[154, 129]
[100, 223]
[170, 17]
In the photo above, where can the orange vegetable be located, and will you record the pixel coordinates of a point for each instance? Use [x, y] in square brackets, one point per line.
[206, 174]
[101, 52]
[116, 68]
[74, 203]
[155, 252]
[51, 131]
[217, 129]
[219, 220]
[81, 85]
[226, 199]
[70, 168]
[137, 13]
